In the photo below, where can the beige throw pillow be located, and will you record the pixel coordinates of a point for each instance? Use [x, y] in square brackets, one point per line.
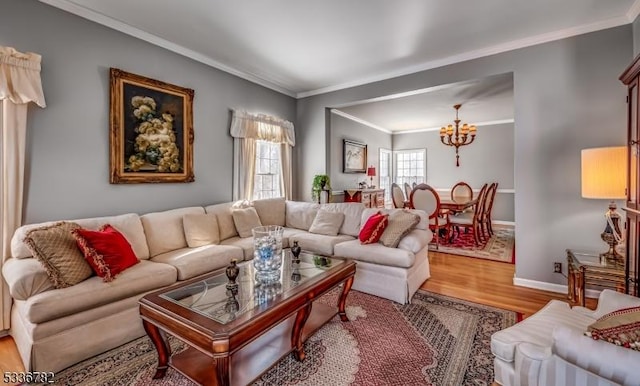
[201, 229]
[55, 247]
[245, 220]
[401, 222]
[327, 223]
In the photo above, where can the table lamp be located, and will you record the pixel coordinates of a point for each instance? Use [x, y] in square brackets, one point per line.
[604, 176]
[371, 172]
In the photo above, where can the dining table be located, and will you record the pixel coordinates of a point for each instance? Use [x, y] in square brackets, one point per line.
[458, 204]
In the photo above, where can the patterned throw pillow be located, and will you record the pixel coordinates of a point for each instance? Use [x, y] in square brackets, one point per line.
[107, 251]
[373, 228]
[55, 247]
[401, 222]
[621, 327]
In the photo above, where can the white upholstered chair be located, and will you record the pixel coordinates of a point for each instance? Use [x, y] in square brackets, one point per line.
[397, 196]
[549, 348]
[425, 198]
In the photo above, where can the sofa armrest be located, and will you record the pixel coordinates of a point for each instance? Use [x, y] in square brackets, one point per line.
[610, 301]
[606, 360]
[25, 278]
[529, 361]
[416, 240]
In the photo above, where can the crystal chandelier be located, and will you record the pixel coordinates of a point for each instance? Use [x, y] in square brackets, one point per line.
[457, 136]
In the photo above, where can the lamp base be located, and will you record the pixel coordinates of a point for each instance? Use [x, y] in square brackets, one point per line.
[609, 237]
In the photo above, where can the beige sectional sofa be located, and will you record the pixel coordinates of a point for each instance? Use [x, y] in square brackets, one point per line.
[55, 328]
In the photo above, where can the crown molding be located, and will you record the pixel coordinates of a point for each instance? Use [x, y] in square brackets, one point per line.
[475, 54]
[486, 123]
[634, 11]
[117, 25]
[361, 121]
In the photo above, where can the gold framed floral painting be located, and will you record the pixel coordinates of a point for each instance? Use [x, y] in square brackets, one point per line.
[151, 130]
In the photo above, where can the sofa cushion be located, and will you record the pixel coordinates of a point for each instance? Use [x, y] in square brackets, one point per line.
[25, 278]
[201, 229]
[352, 216]
[621, 327]
[300, 215]
[165, 231]
[271, 210]
[55, 247]
[191, 262]
[244, 243]
[225, 220]
[320, 244]
[327, 223]
[107, 251]
[400, 224]
[94, 292]
[373, 228]
[128, 224]
[245, 220]
[375, 253]
[537, 329]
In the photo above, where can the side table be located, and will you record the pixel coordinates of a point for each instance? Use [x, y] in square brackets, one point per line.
[586, 268]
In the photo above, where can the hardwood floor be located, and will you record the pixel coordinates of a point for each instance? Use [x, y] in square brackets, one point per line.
[481, 281]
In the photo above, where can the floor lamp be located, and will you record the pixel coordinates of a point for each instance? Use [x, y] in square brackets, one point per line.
[604, 176]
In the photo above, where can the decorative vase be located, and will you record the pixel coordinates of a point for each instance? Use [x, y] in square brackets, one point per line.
[232, 272]
[267, 252]
[295, 250]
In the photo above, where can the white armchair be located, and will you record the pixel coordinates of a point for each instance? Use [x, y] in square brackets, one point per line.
[549, 348]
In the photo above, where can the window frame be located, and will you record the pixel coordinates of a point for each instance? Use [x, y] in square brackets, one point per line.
[276, 176]
[400, 180]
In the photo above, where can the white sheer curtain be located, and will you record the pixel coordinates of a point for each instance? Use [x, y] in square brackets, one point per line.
[19, 84]
[246, 129]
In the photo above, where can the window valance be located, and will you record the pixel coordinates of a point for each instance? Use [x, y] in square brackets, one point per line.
[262, 127]
[20, 77]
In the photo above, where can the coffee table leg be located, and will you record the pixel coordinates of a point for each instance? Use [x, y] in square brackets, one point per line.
[296, 333]
[343, 299]
[164, 350]
[222, 371]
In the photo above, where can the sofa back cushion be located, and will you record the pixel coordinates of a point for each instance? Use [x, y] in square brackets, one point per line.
[300, 215]
[201, 229]
[165, 231]
[127, 224]
[271, 211]
[245, 220]
[225, 220]
[352, 216]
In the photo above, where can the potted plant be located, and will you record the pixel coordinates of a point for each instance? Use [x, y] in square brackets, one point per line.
[320, 182]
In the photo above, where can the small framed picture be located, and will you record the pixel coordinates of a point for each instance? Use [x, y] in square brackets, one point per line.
[151, 130]
[354, 157]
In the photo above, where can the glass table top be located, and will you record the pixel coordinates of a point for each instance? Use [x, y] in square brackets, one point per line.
[215, 299]
[593, 259]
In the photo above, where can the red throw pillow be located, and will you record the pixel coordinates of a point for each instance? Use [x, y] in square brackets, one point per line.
[107, 251]
[373, 228]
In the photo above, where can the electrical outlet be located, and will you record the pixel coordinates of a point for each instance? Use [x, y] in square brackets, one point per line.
[557, 267]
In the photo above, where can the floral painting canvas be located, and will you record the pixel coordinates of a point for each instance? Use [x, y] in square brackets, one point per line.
[354, 157]
[151, 130]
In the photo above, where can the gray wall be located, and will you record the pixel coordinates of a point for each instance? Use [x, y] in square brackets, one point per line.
[567, 97]
[343, 128]
[488, 159]
[636, 36]
[68, 142]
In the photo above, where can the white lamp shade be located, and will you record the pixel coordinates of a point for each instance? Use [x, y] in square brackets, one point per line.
[604, 172]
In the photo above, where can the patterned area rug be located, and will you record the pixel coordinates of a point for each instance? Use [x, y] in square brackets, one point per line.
[500, 247]
[435, 340]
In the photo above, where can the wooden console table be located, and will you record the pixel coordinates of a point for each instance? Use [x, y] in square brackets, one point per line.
[371, 198]
[586, 268]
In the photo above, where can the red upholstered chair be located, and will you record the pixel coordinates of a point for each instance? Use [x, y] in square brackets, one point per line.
[425, 198]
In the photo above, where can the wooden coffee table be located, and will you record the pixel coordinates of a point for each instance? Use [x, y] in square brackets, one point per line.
[234, 334]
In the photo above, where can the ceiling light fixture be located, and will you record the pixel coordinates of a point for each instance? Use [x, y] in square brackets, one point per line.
[457, 136]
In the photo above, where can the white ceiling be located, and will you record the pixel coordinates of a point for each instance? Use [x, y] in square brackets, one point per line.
[305, 47]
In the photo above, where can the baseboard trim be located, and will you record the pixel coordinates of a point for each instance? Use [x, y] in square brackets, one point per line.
[551, 287]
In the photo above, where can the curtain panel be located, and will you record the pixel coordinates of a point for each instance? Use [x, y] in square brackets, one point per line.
[20, 84]
[248, 128]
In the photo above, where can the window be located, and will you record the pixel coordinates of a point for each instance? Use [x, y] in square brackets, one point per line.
[267, 177]
[385, 172]
[410, 166]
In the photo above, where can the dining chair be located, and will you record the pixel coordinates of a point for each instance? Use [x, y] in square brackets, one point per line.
[425, 198]
[413, 185]
[471, 220]
[462, 190]
[485, 219]
[397, 196]
[407, 191]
